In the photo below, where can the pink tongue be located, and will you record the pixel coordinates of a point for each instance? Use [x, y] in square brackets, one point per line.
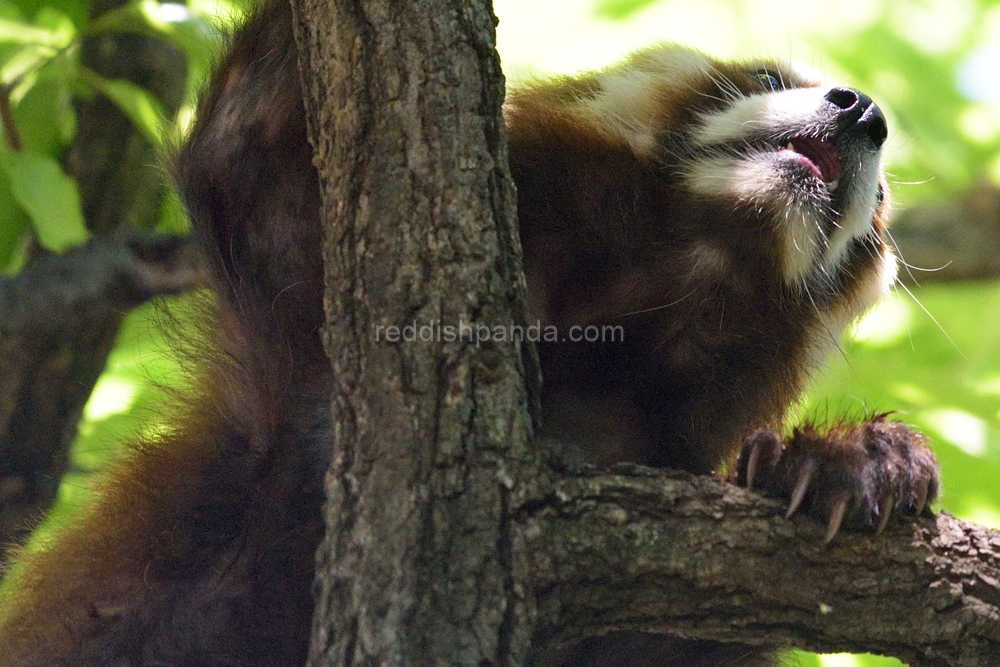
[821, 153]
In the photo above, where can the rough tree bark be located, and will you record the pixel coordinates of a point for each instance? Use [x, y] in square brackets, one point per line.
[52, 354]
[449, 540]
[418, 567]
[650, 551]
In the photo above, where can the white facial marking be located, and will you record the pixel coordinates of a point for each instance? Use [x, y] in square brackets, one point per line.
[875, 289]
[761, 115]
[631, 98]
[857, 218]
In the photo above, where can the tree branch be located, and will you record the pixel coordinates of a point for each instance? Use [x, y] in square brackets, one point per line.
[57, 296]
[653, 551]
[55, 319]
[952, 239]
[10, 131]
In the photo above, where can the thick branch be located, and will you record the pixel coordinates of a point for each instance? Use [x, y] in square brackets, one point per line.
[646, 551]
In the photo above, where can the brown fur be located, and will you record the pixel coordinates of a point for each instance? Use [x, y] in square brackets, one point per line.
[200, 548]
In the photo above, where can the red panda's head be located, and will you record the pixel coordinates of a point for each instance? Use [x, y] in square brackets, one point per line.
[674, 177]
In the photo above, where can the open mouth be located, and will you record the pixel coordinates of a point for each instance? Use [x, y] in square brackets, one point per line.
[819, 156]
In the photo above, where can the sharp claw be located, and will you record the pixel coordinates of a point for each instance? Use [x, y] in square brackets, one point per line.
[799, 492]
[836, 518]
[885, 511]
[753, 461]
[922, 490]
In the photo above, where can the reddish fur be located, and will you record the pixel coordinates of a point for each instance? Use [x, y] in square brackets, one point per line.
[200, 548]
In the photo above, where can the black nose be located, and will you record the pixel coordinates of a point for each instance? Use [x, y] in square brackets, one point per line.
[858, 115]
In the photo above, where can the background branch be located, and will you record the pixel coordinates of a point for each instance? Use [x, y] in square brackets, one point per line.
[56, 318]
[57, 296]
[951, 239]
[10, 131]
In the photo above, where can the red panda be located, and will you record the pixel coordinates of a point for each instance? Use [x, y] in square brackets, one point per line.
[728, 216]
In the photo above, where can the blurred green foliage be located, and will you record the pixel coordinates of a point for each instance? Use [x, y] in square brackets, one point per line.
[934, 65]
[40, 74]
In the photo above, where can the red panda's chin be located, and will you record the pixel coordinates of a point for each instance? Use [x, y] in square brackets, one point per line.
[814, 222]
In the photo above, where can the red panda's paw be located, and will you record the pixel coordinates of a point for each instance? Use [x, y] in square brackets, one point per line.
[856, 475]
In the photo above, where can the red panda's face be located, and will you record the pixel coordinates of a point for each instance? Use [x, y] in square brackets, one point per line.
[734, 192]
[725, 218]
[807, 154]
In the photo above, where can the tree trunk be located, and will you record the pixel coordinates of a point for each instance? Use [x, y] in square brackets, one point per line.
[431, 434]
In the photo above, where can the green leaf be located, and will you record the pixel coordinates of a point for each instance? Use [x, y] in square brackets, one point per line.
[45, 115]
[620, 9]
[26, 48]
[13, 225]
[143, 109]
[48, 196]
[29, 58]
[16, 32]
[76, 10]
[51, 29]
